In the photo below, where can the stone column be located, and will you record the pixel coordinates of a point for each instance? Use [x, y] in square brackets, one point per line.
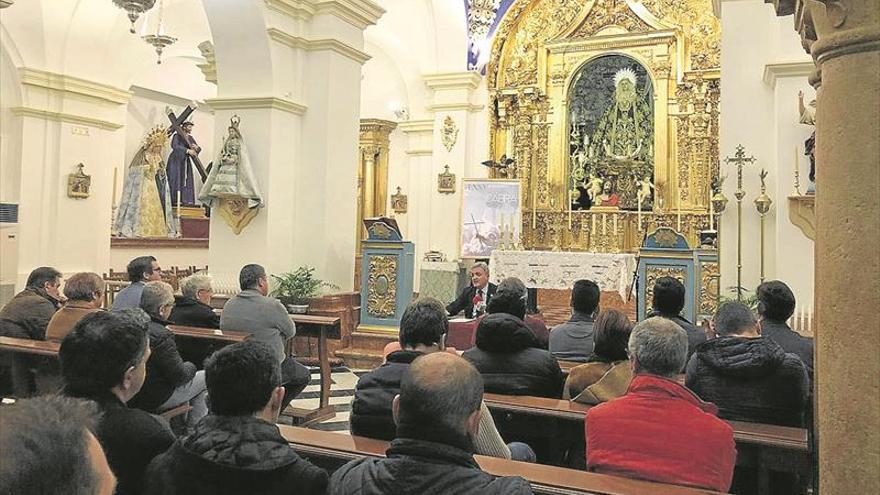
[844, 39]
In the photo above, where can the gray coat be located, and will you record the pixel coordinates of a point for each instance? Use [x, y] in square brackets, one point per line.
[573, 340]
[263, 317]
[129, 297]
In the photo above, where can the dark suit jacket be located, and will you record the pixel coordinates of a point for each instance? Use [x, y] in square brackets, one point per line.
[465, 300]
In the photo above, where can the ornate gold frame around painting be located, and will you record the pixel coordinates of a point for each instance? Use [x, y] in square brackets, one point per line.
[539, 48]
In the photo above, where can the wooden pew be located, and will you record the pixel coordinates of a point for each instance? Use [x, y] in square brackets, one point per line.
[761, 446]
[208, 333]
[334, 449]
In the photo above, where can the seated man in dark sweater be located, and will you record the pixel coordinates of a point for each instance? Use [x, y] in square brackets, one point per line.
[437, 414]
[573, 340]
[104, 359]
[668, 302]
[193, 309]
[776, 304]
[237, 449]
[749, 377]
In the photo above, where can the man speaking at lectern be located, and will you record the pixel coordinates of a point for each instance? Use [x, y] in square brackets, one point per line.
[473, 298]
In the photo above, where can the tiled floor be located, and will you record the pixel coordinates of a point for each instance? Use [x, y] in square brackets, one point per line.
[342, 386]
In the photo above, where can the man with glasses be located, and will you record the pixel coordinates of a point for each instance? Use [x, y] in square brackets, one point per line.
[193, 307]
[140, 270]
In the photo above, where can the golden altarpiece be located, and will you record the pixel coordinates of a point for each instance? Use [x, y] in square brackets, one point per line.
[652, 135]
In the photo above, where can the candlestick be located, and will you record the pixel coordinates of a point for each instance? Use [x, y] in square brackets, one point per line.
[534, 209]
[639, 229]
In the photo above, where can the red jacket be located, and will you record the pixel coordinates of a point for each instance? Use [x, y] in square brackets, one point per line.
[661, 431]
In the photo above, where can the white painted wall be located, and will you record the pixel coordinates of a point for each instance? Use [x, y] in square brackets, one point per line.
[763, 117]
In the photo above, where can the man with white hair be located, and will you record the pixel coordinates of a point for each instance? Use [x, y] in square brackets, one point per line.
[660, 430]
[193, 307]
[474, 298]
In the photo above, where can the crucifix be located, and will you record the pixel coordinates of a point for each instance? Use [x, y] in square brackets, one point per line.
[739, 158]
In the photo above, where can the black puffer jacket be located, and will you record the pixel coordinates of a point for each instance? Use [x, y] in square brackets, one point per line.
[423, 461]
[233, 455]
[371, 408]
[507, 356]
[750, 379]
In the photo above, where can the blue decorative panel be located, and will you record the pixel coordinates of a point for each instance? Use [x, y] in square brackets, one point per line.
[386, 283]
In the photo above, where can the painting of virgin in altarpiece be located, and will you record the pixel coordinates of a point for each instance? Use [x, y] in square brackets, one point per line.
[611, 131]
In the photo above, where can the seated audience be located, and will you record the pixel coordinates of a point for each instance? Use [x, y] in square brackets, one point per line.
[27, 315]
[749, 377]
[104, 359]
[607, 373]
[422, 331]
[267, 321]
[776, 304]
[476, 295]
[237, 449]
[438, 417]
[516, 306]
[49, 446]
[170, 380]
[193, 307]
[85, 294]
[668, 302]
[140, 270]
[573, 340]
[508, 357]
[659, 430]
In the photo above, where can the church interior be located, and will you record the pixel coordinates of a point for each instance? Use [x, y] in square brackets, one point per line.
[376, 151]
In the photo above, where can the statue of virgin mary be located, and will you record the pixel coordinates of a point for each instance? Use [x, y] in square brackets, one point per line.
[140, 212]
[625, 131]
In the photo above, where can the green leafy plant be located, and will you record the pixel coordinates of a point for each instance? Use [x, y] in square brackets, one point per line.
[298, 287]
[749, 298]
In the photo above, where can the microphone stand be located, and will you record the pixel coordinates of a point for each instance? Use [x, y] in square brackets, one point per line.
[635, 279]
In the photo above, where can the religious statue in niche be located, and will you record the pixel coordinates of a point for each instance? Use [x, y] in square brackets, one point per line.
[231, 184]
[78, 183]
[808, 117]
[141, 212]
[611, 131]
[180, 167]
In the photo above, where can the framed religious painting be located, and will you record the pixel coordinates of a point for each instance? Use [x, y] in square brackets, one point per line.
[490, 216]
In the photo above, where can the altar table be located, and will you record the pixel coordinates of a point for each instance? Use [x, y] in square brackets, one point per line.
[560, 269]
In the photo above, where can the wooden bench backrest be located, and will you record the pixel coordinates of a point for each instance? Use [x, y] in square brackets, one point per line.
[544, 479]
[208, 333]
[27, 346]
[785, 437]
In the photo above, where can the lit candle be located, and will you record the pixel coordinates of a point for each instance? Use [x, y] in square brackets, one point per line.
[569, 208]
[604, 225]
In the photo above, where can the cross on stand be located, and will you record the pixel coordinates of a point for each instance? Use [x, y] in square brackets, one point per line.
[739, 158]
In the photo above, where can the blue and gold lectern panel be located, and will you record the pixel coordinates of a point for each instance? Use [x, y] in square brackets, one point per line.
[666, 254]
[387, 269]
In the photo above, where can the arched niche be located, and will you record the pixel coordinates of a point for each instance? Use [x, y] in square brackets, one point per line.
[610, 124]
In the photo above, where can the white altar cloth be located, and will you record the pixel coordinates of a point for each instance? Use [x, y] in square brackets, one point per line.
[559, 270]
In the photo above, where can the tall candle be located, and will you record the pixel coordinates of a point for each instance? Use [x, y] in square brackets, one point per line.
[534, 208]
[639, 229]
[678, 214]
[614, 217]
[569, 208]
[113, 198]
[604, 225]
[711, 212]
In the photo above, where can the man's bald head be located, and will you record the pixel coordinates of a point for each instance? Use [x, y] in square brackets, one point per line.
[440, 388]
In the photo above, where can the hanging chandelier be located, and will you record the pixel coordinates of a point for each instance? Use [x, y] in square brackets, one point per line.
[160, 40]
[134, 8]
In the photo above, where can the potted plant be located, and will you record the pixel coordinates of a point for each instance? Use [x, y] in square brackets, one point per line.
[296, 289]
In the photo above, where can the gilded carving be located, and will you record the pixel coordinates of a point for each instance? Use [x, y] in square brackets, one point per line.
[612, 13]
[382, 286]
[449, 133]
[709, 287]
[699, 25]
[236, 213]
